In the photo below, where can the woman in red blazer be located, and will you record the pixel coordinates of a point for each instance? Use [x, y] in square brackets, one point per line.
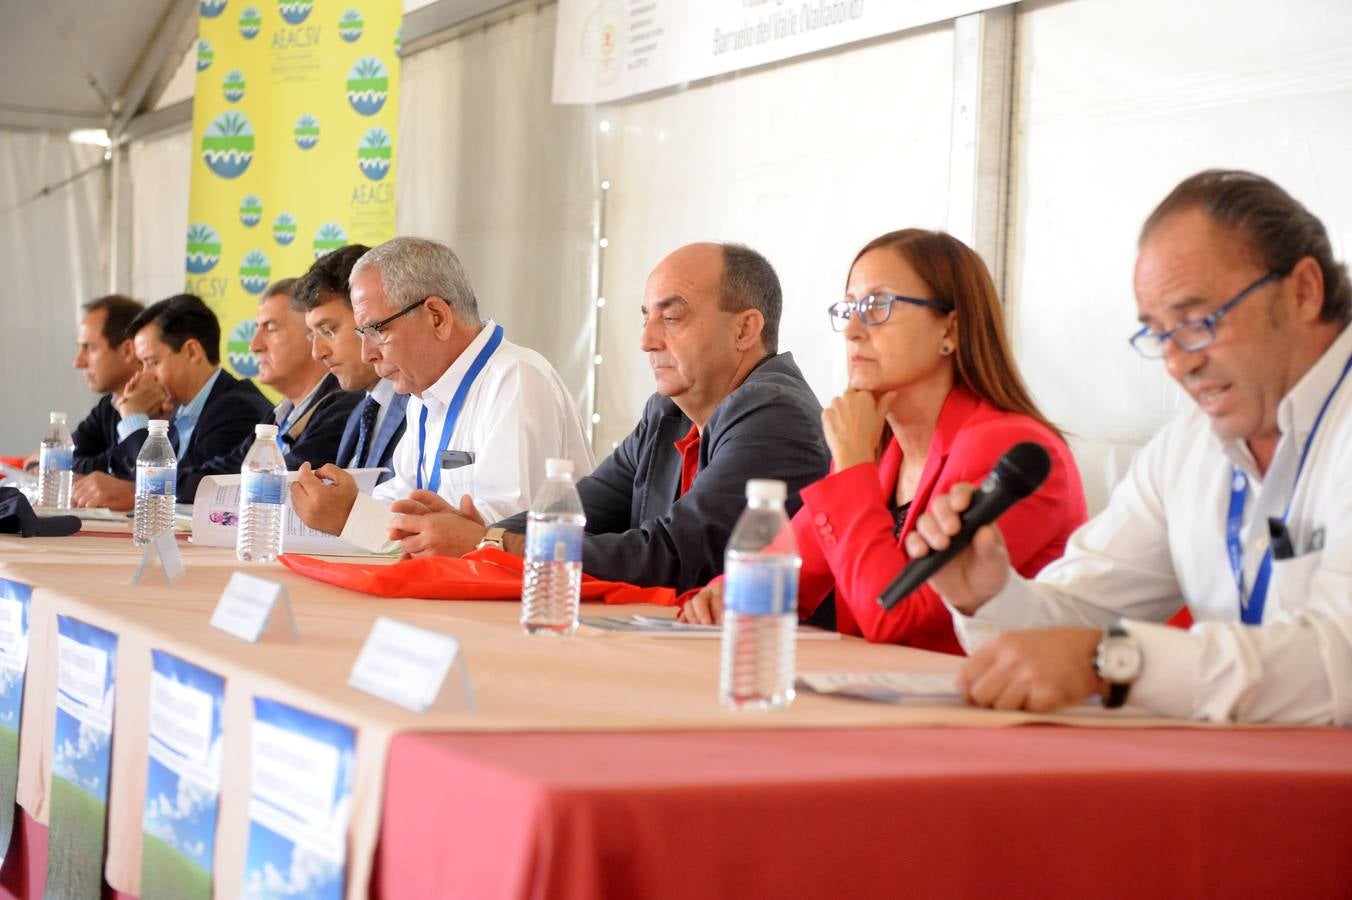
[934, 398]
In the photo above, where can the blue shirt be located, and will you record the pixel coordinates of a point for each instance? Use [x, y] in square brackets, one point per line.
[184, 420]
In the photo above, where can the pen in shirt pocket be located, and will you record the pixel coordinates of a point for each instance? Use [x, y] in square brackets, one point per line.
[1281, 539]
[456, 459]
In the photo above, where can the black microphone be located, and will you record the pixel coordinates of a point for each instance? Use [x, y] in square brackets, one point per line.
[1018, 473]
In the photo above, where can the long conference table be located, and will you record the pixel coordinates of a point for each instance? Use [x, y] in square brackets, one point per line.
[601, 765]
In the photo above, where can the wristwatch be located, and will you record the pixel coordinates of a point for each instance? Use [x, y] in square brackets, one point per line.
[1118, 661]
[492, 538]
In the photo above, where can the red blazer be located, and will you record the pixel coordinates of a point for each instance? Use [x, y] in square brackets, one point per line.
[844, 528]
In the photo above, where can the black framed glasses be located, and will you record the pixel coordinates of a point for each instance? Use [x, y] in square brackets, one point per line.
[1194, 334]
[875, 309]
[373, 332]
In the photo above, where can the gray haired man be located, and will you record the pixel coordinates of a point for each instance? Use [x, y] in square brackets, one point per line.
[484, 414]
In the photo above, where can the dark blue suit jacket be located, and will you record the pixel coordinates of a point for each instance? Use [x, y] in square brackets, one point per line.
[381, 451]
[233, 408]
[96, 442]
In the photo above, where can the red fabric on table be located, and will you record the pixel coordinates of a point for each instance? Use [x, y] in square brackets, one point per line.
[924, 812]
[24, 876]
[487, 574]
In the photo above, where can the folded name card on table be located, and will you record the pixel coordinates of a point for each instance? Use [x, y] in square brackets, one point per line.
[406, 665]
[248, 609]
[884, 687]
[215, 517]
[164, 547]
[654, 626]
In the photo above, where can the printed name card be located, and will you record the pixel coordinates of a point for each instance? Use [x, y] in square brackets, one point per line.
[164, 546]
[249, 608]
[406, 665]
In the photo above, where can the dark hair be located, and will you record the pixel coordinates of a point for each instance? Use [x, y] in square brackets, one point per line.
[280, 286]
[750, 282]
[328, 275]
[179, 318]
[1278, 229]
[119, 312]
[954, 272]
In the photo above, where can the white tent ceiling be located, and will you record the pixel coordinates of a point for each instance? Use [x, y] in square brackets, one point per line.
[80, 64]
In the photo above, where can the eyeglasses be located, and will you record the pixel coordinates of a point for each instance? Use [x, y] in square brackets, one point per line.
[1195, 334]
[875, 309]
[372, 331]
[326, 331]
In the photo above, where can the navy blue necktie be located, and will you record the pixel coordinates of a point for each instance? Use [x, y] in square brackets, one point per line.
[365, 426]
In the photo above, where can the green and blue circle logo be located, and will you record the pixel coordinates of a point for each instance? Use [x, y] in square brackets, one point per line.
[250, 211]
[233, 86]
[306, 132]
[228, 145]
[205, 54]
[284, 228]
[295, 11]
[250, 22]
[368, 85]
[350, 25]
[328, 238]
[375, 154]
[212, 8]
[204, 249]
[398, 39]
[237, 351]
[254, 271]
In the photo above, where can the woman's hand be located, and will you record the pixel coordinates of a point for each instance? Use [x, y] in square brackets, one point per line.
[705, 608]
[854, 424]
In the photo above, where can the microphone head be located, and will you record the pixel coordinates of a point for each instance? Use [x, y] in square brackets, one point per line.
[1023, 468]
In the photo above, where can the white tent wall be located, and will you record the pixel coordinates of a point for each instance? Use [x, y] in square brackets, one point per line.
[489, 166]
[804, 161]
[1117, 103]
[51, 254]
[160, 168]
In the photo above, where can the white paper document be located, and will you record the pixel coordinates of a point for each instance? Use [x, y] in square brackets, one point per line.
[885, 687]
[655, 626]
[215, 517]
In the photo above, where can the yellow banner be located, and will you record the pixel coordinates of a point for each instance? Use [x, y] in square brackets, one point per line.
[294, 122]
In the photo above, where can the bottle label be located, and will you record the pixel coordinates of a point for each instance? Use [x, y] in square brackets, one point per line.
[554, 542]
[56, 459]
[759, 588]
[263, 487]
[156, 481]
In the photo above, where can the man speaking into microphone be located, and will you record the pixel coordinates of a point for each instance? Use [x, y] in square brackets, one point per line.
[1241, 507]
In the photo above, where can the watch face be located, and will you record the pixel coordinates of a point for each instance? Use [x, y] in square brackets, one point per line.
[1120, 660]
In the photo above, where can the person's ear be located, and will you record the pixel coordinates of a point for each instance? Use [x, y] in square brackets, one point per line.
[442, 318]
[750, 325]
[1306, 282]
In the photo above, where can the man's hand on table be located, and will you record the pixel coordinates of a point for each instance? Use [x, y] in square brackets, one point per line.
[323, 498]
[99, 489]
[1037, 670]
[705, 608]
[429, 526]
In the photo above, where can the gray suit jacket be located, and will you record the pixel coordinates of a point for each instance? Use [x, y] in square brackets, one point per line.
[637, 529]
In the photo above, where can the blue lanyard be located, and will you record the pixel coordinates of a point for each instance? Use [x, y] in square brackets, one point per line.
[453, 412]
[1251, 608]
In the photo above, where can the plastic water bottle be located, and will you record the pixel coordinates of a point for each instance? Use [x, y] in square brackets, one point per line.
[56, 459]
[760, 603]
[262, 499]
[156, 481]
[552, 584]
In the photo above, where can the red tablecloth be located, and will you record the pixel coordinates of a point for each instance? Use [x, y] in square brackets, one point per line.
[1031, 812]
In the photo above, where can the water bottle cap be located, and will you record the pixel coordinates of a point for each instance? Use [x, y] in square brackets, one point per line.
[766, 490]
[265, 431]
[158, 426]
[554, 468]
[57, 418]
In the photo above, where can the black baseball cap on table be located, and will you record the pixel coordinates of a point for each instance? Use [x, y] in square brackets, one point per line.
[17, 517]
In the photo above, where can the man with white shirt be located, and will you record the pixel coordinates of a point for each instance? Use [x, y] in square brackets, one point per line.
[484, 415]
[376, 424]
[1240, 508]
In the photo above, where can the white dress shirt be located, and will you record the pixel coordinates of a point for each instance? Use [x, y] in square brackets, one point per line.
[517, 414]
[1161, 543]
